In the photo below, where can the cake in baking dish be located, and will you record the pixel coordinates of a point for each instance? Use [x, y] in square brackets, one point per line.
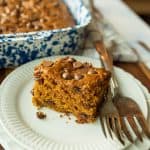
[33, 15]
[70, 86]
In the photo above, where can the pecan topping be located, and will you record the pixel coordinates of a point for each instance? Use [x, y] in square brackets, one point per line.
[56, 4]
[37, 1]
[32, 92]
[50, 102]
[47, 63]
[82, 118]
[66, 75]
[40, 115]
[37, 74]
[78, 76]
[15, 13]
[86, 64]
[37, 27]
[2, 2]
[22, 13]
[66, 70]
[40, 81]
[77, 65]
[71, 60]
[29, 25]
[91, 71]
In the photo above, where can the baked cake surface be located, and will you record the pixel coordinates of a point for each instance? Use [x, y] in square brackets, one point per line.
[70, 86]
[33, 15]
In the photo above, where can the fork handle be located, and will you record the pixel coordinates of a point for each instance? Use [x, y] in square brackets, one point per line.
[107, 62]
[104, 55]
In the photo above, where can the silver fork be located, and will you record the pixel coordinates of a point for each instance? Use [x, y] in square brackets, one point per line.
[108, 111]
[144, 45]
[109, 115]
[126, 106]
[132, 109]
[142, 65]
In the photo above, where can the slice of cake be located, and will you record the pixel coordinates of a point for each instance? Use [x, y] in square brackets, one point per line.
[70, 86]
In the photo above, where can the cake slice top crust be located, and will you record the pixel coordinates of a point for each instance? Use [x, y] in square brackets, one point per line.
[70, 71]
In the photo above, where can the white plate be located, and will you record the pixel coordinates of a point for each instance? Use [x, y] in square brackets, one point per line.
[18, 115]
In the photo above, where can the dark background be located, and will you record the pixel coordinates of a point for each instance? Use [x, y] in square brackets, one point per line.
[141, 7]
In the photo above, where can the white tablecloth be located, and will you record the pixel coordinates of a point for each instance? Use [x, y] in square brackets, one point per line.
[130, 27]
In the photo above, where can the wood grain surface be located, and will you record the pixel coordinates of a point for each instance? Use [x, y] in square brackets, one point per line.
[132, 68]
[139, 6]
[135, 70]
[1, 148]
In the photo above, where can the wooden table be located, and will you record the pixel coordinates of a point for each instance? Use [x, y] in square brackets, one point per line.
[132, 68]
[135, 70]
[141, 7]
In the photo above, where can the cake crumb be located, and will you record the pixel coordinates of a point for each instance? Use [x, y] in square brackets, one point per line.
[67, 114]
[40, 115]
[38, 108]
[80, 121]
[61, 115]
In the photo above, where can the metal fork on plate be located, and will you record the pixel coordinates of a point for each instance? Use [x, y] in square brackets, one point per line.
[110, 115]
[123, 107]
[126, 106]
[108, 112]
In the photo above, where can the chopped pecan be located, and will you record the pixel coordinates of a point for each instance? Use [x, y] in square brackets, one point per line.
[70, 59]
[78, 76]
[32, 92]
[67, 75]
[91, 71]
[77, 65]
[40, 115]
[47, 63]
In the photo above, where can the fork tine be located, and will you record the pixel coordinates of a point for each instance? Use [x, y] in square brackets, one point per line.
[134, 127]
[108, 126]
[112, 121]
[113, 124]
[125, 130]
[144, 45]
[118, 128]
[143, 124]
[115, 128]
[103, 127]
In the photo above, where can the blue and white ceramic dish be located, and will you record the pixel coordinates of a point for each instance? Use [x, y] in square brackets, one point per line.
[16, 49]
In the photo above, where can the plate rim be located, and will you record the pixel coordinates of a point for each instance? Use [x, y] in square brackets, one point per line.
[38, 60]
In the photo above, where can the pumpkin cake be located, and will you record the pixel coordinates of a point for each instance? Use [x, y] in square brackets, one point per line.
[70, 86]
[33, 15]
